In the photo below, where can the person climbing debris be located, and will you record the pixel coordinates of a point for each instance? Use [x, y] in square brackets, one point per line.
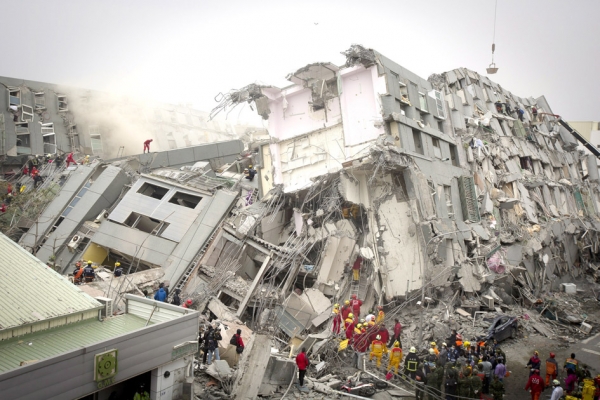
[411, 362]
[356, 304]
[88, 272]
[302, 363]
[337, 319]
[378, 349]
[69, 160]
[356, 268]
[118, 269]
[397, 332]
[249, 173]
[395, 357]
[551, 368]
[147, 145]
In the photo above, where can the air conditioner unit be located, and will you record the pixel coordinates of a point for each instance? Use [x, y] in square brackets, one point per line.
[107, 311]
[75, 240]
[103, 215]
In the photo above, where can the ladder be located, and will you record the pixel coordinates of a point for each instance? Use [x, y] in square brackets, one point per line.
[120, 152]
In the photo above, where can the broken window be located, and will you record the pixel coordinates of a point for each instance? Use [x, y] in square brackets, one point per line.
[526, 163]
[14, 97]
[468, 198]
[154, 191]
[47, 129]
[423, 102]
[439, 103]
[49, 143]
[22, 128]
[418, 141]
[454, 155]
[62, 102]
[399, 187]
[185, 199]
[437, 150]
[39, 99]
[146, 224]
[26, 113]
[434, 195]
[448, 198]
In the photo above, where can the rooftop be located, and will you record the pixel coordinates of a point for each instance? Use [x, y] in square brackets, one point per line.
[52, 342]
[31, 292]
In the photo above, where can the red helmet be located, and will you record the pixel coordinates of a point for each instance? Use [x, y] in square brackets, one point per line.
[552, 355]
[353, 296]
[188, 302]
[380, 307]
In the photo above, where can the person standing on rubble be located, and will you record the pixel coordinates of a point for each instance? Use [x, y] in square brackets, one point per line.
[88, 272]
[239, 347]
[443, 356]
[77, 273]
[346, 309]
[378, 349]
[118, 271]
[349, 320]
[385, 335]
[218, 338]
[349, 329]
[337, 319]
[356, 268]
[500, 370]
[571, 381]
[395, 357]
[302, 363]
[147, 145]
[557, 391]
[535, 384]
[397, 331]
[176, 299]
[361, 346]
[534, 362]
[356, 304]
[70, 159]
[487, 370]
[551, 368]
[160, 294]
[380, 316]
[571, 363]
[410, 363]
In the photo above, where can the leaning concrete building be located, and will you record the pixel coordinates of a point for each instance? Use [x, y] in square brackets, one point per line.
[447, 184]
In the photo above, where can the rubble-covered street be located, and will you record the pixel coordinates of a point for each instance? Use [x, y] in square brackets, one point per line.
[378, 235]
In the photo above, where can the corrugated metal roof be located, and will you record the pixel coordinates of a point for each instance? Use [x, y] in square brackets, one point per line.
[31, 292]
[52, 342]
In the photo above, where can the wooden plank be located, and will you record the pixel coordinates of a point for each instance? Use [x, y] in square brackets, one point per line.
[463, 312]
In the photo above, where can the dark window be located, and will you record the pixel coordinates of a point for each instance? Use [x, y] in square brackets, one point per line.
[154, 191]
[454, 155]
[146, 224]
[185, 200]
[418, 142]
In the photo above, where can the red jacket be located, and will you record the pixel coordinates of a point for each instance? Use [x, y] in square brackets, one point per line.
[361, 343]
[397, 329]
[350, 331]
[535, 383]
[357, 263]
[302, 361]
[239, 340]
[385, 335]
[356, 306]
[147, 142]
[345, 311]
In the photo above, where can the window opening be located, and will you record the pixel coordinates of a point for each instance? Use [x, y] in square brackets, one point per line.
[154, 191]
[39, 99]
[437, 150]
[62, 103]
[185, 199]
[146, 224]
[448, 198]
[423, 101]
[14, 97]
[26, 113]
[22, 128]
[418, 142]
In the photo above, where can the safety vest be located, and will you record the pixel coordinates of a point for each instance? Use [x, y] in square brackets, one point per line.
[550, 368]
[380, 317]
[396, 354]
[377, 346]
[411, 365]
[571, 364]
[588, 389]
[348, 321]
[357, 331]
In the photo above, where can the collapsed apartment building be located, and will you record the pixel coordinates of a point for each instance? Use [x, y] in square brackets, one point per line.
[435, 184]
[46, 118]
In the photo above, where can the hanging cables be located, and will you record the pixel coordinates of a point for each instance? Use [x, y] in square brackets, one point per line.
[492, 69]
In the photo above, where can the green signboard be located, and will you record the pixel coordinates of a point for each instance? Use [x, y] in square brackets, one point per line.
[105, 368]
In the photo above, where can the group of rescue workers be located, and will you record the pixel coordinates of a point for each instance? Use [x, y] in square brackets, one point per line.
[468, 370]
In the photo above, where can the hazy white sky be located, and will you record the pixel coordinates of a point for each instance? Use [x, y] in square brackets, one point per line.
[188, 51]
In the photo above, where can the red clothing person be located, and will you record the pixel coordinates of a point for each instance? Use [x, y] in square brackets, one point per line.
[147, 145]
[346, 309]
[70, 159]
[34, 172]
[356, 303]
[302, 363]
[337, 321]
[536, 384]
[385, 335]
[25, 170]
[350, 331]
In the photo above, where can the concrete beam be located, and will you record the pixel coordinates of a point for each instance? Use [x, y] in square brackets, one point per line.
[257, 279]
[252, 368]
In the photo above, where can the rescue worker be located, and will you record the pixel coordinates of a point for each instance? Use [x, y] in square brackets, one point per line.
[395, 357]
[176, 299]
[571, 363]
[557, 391]
[141, 393]
[349, 320]
[77, 273]
[349, 327]
[380, 316]
[25, 170]
[249, 173]
[337, 319]
[118, 270]
[302, 363]
[443, 356]
[434, 382]
[86, 160]
[187, 304]
[34, 172]
[430, 361]
[475, 386]
[434, 348]
[88, 272]
[420, 380]
[452, 338]
[500, 353]
[361, 346]
[357, 329]
[397, 331]
[69, 160]
[147, 145]
[551, 368]
[385, 335]
[535, 384]
[356, 304]
[356, 268]
[497, 389]
[534, 362]
[378, 349]
[410, 363]
[345, 310]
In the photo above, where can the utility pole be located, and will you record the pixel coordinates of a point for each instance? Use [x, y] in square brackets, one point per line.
[420, 342]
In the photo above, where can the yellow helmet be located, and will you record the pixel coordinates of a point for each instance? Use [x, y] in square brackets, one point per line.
[359, 326]
[336, 305]
[433, 344]
[250, 166]
[117, 264]
[347, 302]
[90, 262]
[350, 315]
[396, 344]
[466, 344]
